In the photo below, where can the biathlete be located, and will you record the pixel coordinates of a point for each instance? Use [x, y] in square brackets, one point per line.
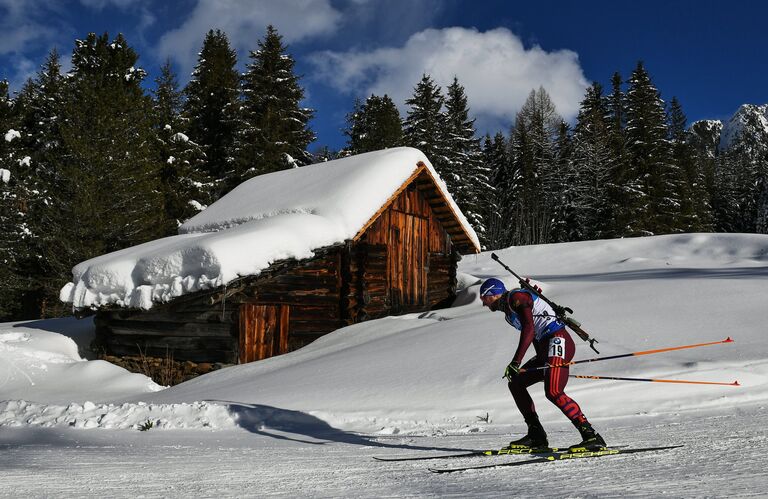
[554, 347]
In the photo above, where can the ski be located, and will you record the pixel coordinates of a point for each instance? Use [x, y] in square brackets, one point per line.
[558, 456]
[475, 453]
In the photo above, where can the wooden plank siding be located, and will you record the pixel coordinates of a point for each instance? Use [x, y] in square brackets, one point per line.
[263, 331]
[410, 233]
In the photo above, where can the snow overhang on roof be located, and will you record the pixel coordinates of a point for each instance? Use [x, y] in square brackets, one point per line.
[286, 214]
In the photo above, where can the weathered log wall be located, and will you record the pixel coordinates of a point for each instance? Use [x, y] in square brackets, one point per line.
[204, 326]
[368, 291]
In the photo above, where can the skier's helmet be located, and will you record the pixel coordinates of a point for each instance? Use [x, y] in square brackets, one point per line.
[492, 287]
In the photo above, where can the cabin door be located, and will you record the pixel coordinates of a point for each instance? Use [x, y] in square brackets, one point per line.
[263, 331]
[407, 261]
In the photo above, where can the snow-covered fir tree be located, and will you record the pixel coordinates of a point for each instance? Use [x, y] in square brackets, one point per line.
[186, 187]
[651, 184]
[373, 125]
[276, 131]
[212, 109]
[593, 165]
[617, 123]
[12, 217]
[695, 207]
[108, 197]
[533, 156]
[496, 158]
[425, 123]
[560, 182]
[464, 171]
[41, 105]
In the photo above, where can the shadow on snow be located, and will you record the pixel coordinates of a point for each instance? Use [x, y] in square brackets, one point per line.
[275, 422]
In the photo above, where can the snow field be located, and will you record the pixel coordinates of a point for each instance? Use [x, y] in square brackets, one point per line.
[306, 423]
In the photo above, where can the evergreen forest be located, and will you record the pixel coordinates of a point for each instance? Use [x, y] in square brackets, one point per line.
[98, 159]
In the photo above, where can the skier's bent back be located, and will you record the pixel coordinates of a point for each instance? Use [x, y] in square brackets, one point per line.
[554, 348]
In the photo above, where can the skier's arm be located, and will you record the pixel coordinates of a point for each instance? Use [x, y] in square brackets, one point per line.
[522, 304]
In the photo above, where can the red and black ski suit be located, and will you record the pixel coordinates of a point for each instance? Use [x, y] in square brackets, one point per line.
[555, 349]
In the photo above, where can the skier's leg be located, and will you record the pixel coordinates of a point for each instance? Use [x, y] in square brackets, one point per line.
[561, 351]
[518, 387]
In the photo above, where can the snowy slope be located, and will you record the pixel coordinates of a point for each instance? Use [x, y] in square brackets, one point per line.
[631, 294]
[40, 361]
[306, 423]
[441, 366]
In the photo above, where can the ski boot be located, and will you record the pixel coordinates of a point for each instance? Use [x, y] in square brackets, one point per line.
[535, 439]
[590, 440]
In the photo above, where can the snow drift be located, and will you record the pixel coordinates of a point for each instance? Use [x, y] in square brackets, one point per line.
[442, 369]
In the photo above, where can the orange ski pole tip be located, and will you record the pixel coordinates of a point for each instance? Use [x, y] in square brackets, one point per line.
[736, 383]
[728, 340]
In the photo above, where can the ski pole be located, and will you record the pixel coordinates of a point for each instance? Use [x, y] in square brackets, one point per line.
[635, 354]
[560, 312]
[655, 380]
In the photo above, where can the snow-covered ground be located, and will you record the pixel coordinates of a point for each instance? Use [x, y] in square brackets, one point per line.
[307, 423]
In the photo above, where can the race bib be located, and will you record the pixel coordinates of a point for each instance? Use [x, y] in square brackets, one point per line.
[557, 347]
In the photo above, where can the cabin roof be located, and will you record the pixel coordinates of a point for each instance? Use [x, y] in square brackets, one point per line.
[286, 214]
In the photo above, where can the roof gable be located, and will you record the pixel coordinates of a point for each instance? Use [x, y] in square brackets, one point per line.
[446, 211]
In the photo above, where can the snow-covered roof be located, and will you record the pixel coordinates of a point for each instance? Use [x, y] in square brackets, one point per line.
[286, 214]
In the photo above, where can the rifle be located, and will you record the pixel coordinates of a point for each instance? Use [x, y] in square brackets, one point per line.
[560, 312]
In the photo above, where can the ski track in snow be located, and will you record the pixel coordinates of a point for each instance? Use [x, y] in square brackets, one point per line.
[723, 456]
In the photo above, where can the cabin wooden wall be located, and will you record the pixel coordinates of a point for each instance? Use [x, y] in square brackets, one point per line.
[368, 290]
[205, 326]
[420, 261]
[191, 329]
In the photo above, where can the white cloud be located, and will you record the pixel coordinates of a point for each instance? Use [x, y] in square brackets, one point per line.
[244, 22]
[496, 69]
[18, 25]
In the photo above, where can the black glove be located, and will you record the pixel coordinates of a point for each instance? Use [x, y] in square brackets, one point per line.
[512, 370]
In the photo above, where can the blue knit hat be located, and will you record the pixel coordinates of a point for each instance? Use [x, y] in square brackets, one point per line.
[492, 287]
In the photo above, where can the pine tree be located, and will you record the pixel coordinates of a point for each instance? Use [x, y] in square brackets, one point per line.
[109, 196]
[533, 156]
[464, 171]
[12, 219]
[186, 187]
[425, 123]
[616, 225]
[593, 166]
[561, 182]
[761, 223]
[727, 198]
[740, 179]
[276, 130]
[373, 125]
[695, 211]
[651, 186]
[212, 109]
[41, 107]
[498, 202]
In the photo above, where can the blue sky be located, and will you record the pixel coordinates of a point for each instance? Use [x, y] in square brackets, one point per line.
[711, 55]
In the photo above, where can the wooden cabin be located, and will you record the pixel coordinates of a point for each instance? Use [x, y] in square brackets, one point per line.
[402, 260]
